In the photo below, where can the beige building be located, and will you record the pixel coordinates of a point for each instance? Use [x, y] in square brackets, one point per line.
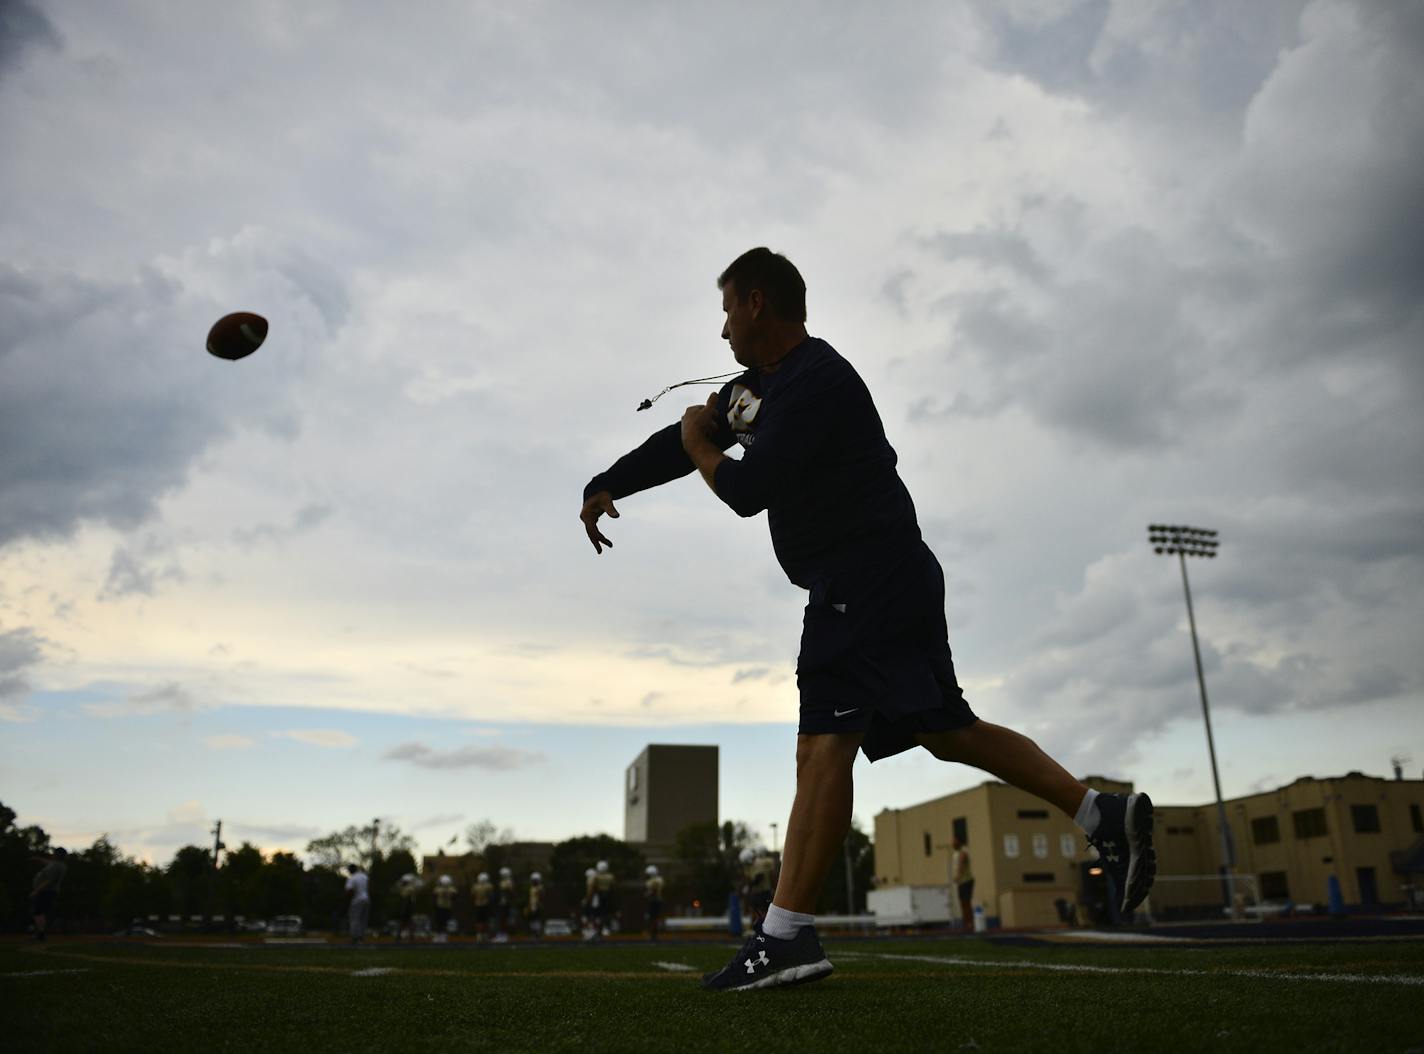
[1026, 855]
[1294, 838]
[666, 788]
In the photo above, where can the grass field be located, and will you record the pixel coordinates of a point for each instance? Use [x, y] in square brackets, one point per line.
[950, 994]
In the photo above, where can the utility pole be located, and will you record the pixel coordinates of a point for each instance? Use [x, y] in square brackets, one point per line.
[1182, 542]
[213, 871]
[775, 845]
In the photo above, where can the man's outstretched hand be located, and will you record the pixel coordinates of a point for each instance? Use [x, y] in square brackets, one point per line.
[593, 508]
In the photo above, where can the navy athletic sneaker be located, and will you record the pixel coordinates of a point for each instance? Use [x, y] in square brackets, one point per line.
[764, 962]
[1124, 844]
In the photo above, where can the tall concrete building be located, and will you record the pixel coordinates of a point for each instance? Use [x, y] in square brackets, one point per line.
[666, 788]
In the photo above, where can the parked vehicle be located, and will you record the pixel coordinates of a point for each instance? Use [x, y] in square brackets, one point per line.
[286, 926]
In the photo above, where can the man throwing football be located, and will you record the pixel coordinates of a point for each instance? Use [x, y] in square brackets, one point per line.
[875, 672]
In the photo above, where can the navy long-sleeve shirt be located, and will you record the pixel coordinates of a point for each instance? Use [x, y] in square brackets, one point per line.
[814, 457]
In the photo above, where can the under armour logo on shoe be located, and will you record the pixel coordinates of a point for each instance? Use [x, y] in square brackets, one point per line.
[760, 960]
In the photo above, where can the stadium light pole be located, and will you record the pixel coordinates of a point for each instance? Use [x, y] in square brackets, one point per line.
[1169, 540]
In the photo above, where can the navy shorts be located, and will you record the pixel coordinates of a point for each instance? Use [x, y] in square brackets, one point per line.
[875, 657]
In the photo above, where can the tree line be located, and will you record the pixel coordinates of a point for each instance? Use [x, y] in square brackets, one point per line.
[105, 890]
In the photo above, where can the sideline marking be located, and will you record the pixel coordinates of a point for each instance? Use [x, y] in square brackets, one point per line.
[374, 971]
[345, 971]
[45, 973]
[675, 967]
[1119, 938]
[1269, 975]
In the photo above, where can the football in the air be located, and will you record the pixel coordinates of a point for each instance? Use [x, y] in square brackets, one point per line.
[237, 335]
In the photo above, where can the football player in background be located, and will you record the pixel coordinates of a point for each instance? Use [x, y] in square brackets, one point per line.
[535, 911]
[653, 894]
[444, 901]
[482, 892]
[504, 905]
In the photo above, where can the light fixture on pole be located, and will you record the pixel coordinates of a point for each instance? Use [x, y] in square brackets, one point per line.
[1170, 540]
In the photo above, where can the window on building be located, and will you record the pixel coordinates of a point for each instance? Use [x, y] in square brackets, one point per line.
[1068, 845]
[1011, 845]
[1366, 819]
[1416, 817]
[1038, 876]
[1033, 814]
[1040, 846]
[1309, 823]
[929, 846]
[1274, 886]
[961, 830]
[1265, 830]
[633, 785]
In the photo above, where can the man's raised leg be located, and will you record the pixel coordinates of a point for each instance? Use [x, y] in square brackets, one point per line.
[1014, 758]
[1118, 826]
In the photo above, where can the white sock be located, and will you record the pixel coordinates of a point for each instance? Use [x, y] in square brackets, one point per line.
[783, 924]
[1088, 813]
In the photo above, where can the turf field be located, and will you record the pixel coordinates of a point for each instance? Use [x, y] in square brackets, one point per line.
[949, 994]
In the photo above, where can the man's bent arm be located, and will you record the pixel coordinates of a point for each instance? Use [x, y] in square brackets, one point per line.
[706, 456]
[659, 459]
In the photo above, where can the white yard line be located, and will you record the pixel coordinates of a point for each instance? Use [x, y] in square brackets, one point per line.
[373, 971]
[1028, 964]
[44, 973]
[1125, 937]
[675, 967]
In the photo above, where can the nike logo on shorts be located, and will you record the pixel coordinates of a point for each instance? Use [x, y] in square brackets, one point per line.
[842, 713]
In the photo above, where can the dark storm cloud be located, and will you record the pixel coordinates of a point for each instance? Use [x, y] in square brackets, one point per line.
[304, 519]
[138, 571]
[496, 758]
[1106, 351]
[23, 26]
[107, 398]
[993, 247]
[20, 650]
[1201, 62]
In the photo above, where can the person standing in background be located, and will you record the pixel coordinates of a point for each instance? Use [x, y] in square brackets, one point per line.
[536, 904]
[358, 885]
[444, 901]
[961, 876]
[653, 891]
[45, 888]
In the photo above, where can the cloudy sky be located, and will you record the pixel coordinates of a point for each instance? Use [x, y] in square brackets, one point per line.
[1102, 264]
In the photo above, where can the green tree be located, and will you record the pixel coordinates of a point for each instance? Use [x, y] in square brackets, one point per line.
[18, 847]
[480, 836]
[832, 900]
[358, 845]
[190, 873]
[709, 855]
[572, 858]
[241, 881]
[281, 888]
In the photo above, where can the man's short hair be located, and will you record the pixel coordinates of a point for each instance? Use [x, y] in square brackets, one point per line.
[352, 868]
[777, 278]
